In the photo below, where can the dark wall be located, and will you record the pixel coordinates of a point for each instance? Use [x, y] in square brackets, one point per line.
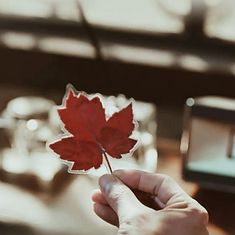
[168, 88]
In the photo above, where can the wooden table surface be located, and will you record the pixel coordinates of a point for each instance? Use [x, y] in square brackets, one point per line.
[70, 211]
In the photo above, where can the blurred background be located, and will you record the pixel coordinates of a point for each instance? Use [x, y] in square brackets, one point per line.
[157, 51]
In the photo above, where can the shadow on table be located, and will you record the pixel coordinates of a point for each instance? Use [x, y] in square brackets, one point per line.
[221, 208]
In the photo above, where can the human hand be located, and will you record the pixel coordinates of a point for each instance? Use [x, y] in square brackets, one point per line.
[138, 202]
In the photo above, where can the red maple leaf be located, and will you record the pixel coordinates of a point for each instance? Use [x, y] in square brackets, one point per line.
[92, 135]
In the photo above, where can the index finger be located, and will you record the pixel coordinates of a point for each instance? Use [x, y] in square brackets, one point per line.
[159, 185]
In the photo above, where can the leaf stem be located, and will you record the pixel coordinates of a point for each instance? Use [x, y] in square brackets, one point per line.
[108, 163]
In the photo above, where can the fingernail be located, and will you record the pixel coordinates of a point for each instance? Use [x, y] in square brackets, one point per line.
[106, 179]
[106, 182]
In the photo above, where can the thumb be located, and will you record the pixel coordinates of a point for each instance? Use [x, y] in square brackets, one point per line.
[119, 197]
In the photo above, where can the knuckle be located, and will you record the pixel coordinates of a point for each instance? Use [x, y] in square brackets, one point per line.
[141, 223]
[123, 232]
[166, 177]
[168, 180]
[204, 216]
[116, 191]
[199, 214]
[125, 227]
[140, 220]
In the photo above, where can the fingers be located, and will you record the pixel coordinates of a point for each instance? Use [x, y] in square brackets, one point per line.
[145, 198]
[106, 213]
[98, 197]
[102, 208]
[162, 186]
[120, 198]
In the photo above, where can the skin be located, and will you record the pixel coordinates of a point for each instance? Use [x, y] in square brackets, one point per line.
[138, 202]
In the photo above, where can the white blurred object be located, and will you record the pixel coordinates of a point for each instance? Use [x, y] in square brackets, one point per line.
[220, 19]
[27, 123]
[27, 8]
[134, 15]
[41, 9]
